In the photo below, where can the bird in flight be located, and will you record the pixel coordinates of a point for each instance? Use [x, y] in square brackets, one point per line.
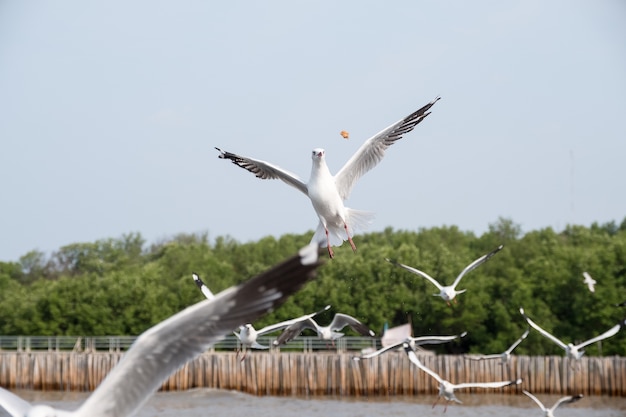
[161, 350]
[328, 192]
[448, 292]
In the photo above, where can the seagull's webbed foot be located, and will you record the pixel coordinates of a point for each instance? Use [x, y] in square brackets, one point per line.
[330, 249]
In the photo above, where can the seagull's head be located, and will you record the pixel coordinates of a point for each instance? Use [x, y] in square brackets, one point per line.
[318, 154]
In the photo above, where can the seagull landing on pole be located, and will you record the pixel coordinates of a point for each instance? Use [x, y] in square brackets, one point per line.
[327, 192]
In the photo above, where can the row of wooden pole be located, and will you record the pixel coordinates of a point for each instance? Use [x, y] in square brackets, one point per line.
[313, 374]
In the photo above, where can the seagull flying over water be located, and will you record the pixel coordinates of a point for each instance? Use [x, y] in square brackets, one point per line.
[548, 412]
[448, 292]
[413, 342]
[573, 351]
[504, 356]
[589, 281]
[162, 349]
[446, 388]
[330, 332]
[327, 192]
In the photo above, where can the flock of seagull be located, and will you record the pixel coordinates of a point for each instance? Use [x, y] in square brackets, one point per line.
[162, 349]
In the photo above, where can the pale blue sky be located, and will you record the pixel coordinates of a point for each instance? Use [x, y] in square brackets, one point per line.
[110, 112]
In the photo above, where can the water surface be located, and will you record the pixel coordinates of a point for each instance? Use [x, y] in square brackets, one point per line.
[203, 402]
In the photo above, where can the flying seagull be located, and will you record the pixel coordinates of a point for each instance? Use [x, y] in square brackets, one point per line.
[589, 281]
[573, 351]
[327, 192]
[446, 388]
[248, 334]
[548, 412]
[413, 342]
[504, 356]
[448, 292]
[330, 332]
[162, 349]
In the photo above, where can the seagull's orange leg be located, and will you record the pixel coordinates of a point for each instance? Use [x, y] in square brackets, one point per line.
[330, 250]
[345, 226]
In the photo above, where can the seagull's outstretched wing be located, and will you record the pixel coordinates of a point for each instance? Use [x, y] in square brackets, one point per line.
[279, 326]
[611, 332]
[205, 290]
[13, 404]
[536, 400]
[543, 332]
[342, 320]
[566, 400]
[265, 170]
[373, 150]
[415, 341]
[497, 384]
[517, 342]
[410, 353]
[162, 349]
[294, 331]
[475, 264]
[417, 272]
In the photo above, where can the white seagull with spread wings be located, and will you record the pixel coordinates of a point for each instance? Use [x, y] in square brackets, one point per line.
[548, 412]
[413, 342]
[446, 388]
[573, 351]
[504, 356]
[448, 292]
[327, 192]
[162, 349]
[330, 332]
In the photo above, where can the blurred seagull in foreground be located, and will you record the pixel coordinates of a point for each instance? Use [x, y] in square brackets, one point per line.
[446, 388]
[413, 342]
[504, 356]
[589, 281]
[573, 351]
[548, 412]
[162, 349]
[448, 292]
[330, 332]
[327, 192]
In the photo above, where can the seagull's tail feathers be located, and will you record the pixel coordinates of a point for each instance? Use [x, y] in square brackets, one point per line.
[357, 220]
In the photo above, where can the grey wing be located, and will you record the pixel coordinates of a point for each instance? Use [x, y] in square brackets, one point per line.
[294, 331]
[535, 399]
[540, 330]
[410, 353]
[379, 351]
[566, 400]
[342, 320]
[164, 348]
[373, 150]
[13, 404]
[475, 264]
[287, 323]
[483, 357]
[498, 384]
[434, 340]
[265, 170]
[611, 332]
[417, 272]
[518, 341]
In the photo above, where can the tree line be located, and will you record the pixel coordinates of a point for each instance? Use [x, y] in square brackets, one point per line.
[122, 286]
